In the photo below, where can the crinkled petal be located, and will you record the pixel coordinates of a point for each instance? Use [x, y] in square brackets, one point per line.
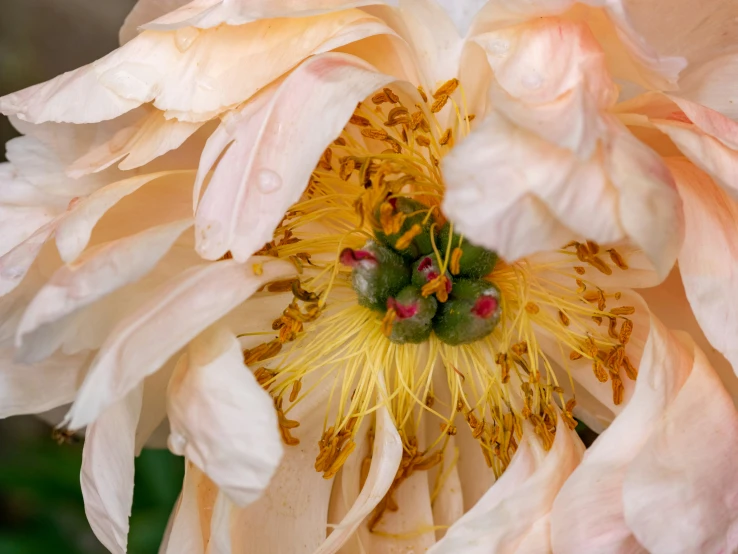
[210, 396]
[708, 260]
[192, 79]
[587, 515]
[268, 166]
[211, 13]
[143, 341]
[107, 471]
[512, 509]
[386, 457]
[99, 273]
[680, 493]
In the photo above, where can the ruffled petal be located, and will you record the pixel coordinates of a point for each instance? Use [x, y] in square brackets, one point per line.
[268, 166]
[515, 510]
[143, 341]
[99, 273]
[386, 457]
[680, 493]
[587, 515]
[221, 419]
[709, 260]
[158, 67]
[107, 471]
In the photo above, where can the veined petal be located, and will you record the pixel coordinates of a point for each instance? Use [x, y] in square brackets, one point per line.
[211, 13]
[97, 274]
[587, 515]
[505, 516]
[221, 419]
[143, 341]
[386, 457]
[32, 389]
[157, 67]
[708, 260]
[679, 493]
[107, 471]
[253, 187]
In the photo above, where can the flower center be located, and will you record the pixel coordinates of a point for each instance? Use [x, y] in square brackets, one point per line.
[393, 309]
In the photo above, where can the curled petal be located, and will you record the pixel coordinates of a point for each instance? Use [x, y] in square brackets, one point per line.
[268, 166]
[143, 341]
[221, 419]
[107, 471]
[680, 492]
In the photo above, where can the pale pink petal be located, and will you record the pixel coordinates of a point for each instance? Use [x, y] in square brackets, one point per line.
[292, 516]
[144, 12]
[211, 13]
[711, 85]
[97, 274]
[220, 525]
[17, 223]
[14, 265]
[448, 499]
[680, 493]
[476, 478]
[252, 188]
[462, 13]
[153, 425]
[709, 258]
[31, 389]
[107, 471]
[186, 533]
[150, 138]
[512, 509]
[210, 396]
[231, 63]
[587, 515]
[386, 457]
[143, 341]
[75, 227]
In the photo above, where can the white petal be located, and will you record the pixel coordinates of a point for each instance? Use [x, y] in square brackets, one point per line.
[145, 340]
[221, 419]
[15, 264]
[386, 457]
[189, 528]
[220, 526]
[97, 274]
[31, 389]
[193, 80]
[107, 471]
[680, 492]
[710, 85]
[253, 187]
[462, 12]
[511, 510]
[587, 515]
[144, 12]
[17, 223]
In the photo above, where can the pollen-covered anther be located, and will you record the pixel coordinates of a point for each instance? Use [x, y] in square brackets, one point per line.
[406, 239]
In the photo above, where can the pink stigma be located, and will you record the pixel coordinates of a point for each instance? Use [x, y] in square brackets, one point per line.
[403, 312]
[352, 258]
[485, 307]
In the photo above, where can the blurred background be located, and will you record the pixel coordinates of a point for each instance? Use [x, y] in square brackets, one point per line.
[41, 508]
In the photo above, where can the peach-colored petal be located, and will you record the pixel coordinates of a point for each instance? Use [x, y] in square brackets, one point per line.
[386, 457]
[210, 396]
[157, 67]
[711, 85]
[292, 515]
[186, 533]
[211, 13]
[32, 389]
[144, 340]
[587, 515]
[107, 471]
[476, 478]
[680, 492]
[253, 187]
[220, 525]
[152, 136]
[709, 258]
[14, 265]
[100, 273]
[513, 508]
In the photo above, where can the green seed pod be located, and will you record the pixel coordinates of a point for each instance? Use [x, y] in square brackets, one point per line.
[475, 261]
[426, 269]
[420, 244]
[413, 322]
[470, 314]
[378, 273]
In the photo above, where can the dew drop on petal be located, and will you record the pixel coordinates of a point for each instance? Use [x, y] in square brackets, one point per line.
[176, 443]
[268, 181]
[184, 37]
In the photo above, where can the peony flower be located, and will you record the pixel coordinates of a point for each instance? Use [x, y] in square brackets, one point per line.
[366, 262]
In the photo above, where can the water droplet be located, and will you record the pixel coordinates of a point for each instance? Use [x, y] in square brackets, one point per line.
[184, 37]
[268, 181]
[498, 47]
[176, 443]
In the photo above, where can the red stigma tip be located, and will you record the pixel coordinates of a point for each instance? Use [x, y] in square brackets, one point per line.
[403, 312]
[485, 307]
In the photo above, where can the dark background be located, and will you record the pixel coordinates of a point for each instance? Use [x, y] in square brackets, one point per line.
[41, 509]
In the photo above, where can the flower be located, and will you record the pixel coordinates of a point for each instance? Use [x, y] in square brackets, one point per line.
[420, 227]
